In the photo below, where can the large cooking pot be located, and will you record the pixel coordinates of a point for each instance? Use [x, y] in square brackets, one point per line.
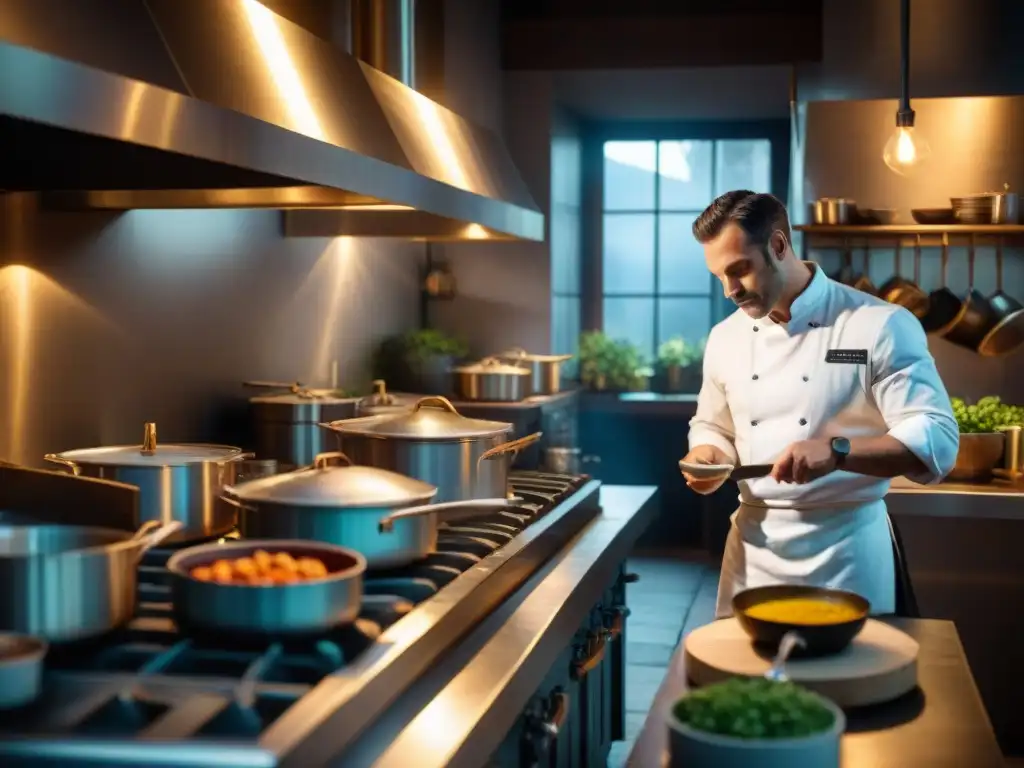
[307, 607]
[69, 582]
[176, 482]
[545, 370]
[287, 421]
[465, 458]
[384, 515]
[493, 381]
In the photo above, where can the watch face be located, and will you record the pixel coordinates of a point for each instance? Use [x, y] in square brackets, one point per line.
[841, 445]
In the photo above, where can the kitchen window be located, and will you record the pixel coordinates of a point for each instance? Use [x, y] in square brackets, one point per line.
[654, 285]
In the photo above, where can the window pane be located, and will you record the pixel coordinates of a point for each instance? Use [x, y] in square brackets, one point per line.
[565, 324]
[684, 173]
[689, 318]
[743, 164]
[629, 175]
[628, 253]
[565, 250]
[681, 267]
[631, 320]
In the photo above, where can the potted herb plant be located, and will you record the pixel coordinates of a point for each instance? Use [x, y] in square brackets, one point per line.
[679, 366]
[419, 361]
[611, 365]
[982, 436]
[748, 723]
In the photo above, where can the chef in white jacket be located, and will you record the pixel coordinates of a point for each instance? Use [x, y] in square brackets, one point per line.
[834, 387]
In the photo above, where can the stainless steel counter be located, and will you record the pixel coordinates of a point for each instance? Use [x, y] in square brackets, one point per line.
[487, 682]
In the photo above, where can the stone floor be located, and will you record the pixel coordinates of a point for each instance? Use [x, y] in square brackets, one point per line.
[675, 594]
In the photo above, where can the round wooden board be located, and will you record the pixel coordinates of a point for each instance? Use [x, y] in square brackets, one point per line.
[879, 665]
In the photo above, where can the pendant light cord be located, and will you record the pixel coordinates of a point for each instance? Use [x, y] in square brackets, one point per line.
[905, 115]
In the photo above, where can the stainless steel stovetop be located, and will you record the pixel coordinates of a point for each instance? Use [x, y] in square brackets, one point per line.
[149, 683]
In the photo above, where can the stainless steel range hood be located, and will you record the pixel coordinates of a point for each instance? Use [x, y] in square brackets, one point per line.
[124, 104]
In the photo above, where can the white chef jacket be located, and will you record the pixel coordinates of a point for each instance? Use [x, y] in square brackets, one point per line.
[767, 385]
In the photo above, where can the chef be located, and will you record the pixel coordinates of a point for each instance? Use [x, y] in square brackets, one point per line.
[833, 387]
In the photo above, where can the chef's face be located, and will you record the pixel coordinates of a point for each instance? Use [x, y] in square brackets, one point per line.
[749, 272]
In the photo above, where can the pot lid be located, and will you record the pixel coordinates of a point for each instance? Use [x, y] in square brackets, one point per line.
[149, 454]
[518, 353]
[493, 365]
[431, 418]
[335, 486]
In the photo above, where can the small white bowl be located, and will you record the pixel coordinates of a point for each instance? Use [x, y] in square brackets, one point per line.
[706, 471]
[692, 748]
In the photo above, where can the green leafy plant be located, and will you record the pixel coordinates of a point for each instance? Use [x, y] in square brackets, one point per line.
[605, 363]
[754, 708]
[677, 352]
[432, 343]
[989, 414]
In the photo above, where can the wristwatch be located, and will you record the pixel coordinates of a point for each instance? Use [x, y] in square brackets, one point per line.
[840, 450]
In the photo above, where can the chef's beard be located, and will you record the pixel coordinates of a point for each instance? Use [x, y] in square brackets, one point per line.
[758, 304]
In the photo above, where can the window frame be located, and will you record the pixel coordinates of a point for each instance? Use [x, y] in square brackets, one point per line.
[594, 136]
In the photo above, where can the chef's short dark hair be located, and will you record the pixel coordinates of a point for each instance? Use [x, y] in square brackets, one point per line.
[757, 214]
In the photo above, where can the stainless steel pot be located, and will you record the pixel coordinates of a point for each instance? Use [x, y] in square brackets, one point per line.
[563, 461]
[349, 506]
[68, 582]
[176, 482]
[21, 669]
[464, 458]
[303, 608]
[287, 422]
[491, 380]
[382, 402]
[834, 210]
[545, 370]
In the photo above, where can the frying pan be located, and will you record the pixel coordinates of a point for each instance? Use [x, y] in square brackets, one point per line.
[301, 609]
[977, 318]
[725, 471]
[820, 639]
[898, 290]
[944, 306]
[1008, 332]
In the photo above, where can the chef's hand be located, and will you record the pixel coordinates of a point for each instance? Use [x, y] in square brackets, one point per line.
[805, 461]
[706, 454]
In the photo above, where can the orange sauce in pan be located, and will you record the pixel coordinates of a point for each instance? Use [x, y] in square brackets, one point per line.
[262, 568]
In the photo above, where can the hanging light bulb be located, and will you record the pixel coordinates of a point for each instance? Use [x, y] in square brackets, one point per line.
[906, 150]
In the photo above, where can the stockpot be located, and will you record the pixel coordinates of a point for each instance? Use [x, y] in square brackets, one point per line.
[493, 381]
[545, 370]
[286, 422]
[176, 482]
[383, 515]
[67, 582]
[464, 458]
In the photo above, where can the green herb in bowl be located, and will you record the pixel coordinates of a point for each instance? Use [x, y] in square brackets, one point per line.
[755, 709]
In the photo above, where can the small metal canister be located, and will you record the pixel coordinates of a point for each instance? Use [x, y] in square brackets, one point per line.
[1013, 467]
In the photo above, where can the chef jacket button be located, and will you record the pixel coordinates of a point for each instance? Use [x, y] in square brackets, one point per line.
[806, 378]
[756, 329]
[753, 423]
[754, 377]
[803, 422]
[813, 324]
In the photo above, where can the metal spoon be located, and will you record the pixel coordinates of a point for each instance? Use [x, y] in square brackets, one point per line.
[790, 641]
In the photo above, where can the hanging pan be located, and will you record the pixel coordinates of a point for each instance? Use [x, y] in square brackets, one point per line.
[1008, 332]
[978, 316]
[944, 306]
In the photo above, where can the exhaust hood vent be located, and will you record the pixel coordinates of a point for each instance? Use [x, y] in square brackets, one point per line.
[123, 104]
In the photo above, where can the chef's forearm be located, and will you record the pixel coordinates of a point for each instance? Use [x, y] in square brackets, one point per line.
[883, 456]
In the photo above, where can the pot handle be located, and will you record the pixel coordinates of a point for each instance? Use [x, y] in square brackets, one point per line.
[514, 352]
[435, 401]
[152, 532]
[233, 502]
[466, 508]
[68, 464]
[513, 446]
[323, 460]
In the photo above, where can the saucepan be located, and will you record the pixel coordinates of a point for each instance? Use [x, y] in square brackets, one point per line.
[545, 370]
[66, 583]
[977, 317]
[266, 588]
[826, 620]
[1007, 333]
[944, 306]
[906, 293]
[383, 515]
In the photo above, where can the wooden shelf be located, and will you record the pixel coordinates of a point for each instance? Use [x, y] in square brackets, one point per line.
[888, 230]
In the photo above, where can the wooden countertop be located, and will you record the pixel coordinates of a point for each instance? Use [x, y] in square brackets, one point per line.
[942, 725]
